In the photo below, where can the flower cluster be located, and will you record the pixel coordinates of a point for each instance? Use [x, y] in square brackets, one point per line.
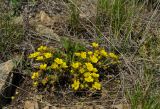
[41, 54]
[83, 70]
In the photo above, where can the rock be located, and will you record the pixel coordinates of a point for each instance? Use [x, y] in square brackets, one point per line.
[31, 105]
[5, 71]
[47, 32]
[6, 79]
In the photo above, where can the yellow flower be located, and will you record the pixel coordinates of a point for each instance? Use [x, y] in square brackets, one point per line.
[35, 84]
[43, 66]
[76, 65]
[58, 61]
[96, 86]
[33, 55]
[48, 55]
[95, 45]
[81, 70]
[54, 66]
[112, 55]
[93, 59]
[90, 52]
[40, 58]
[72, 71]
[87, 74]
[89, 66]
[88, 79]
[64, 65]
[103, 53]
[35, 75]
[42, 48]
[95, 75]
[44, 81]
[77, 54]
[95, 70]
[83, 55]
[96, 53]
[76, 84]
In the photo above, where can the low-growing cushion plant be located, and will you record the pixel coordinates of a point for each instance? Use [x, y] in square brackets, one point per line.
[79, 73]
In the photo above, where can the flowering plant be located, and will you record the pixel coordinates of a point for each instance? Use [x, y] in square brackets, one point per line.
[82, 67]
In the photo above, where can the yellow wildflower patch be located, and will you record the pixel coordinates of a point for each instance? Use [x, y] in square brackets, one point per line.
[81, 68]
